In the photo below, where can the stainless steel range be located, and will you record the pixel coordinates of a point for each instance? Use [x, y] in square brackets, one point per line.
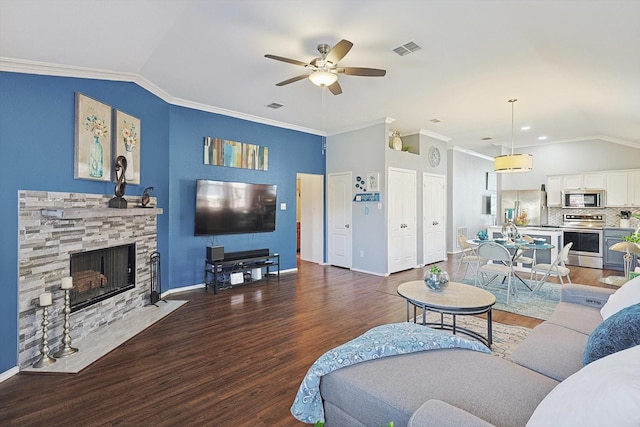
[586, 233]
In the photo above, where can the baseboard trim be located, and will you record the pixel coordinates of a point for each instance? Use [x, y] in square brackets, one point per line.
[9, 373]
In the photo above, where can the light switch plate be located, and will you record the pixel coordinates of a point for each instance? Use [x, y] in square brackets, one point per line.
[283, 206]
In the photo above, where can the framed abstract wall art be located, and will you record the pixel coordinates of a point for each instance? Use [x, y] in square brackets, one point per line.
[92, 139]
[222, 152]
[126, 142]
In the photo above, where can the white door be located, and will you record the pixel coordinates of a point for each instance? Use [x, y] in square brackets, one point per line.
[339, 219]
[433, 220]
[311, 217]
[401, 226]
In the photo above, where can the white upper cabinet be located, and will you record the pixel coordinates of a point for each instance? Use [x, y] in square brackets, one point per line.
[554, 191]
[623, 188]
[587, 181]
[593, 181]
[617, 189]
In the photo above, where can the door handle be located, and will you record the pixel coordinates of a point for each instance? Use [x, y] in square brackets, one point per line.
[346, 226]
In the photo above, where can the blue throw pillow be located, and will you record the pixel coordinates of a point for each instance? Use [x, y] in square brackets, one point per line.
[618, 332]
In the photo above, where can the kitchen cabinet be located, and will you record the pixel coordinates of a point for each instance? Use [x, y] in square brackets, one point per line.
[623, 188]
[554, 191]
[613, 260]
[585, 181]
[617, 187]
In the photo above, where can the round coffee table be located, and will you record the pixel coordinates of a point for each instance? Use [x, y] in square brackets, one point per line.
[455, 299]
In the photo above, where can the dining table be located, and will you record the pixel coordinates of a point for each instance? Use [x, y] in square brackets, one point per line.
[514, 246]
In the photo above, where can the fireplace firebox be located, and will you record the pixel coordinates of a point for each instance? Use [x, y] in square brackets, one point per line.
[101, 274]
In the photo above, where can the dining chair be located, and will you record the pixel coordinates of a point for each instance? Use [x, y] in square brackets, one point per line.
[557, 268]
[522, 255]
[469, 257]
[502, 265]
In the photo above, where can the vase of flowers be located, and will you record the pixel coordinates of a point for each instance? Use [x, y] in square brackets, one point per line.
[129, 136]
[98, 128]
[436, 279]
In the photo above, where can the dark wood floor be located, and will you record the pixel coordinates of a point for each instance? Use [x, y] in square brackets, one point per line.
[236, 358]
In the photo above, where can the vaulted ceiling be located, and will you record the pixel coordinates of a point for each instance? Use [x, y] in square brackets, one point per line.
[574, 66]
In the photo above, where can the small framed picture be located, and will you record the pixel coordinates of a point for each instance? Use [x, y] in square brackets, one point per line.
[92, 139]
[126, 142]
[373, 182]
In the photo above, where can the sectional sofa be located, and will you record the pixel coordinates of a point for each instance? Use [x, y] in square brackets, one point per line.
[544, 383]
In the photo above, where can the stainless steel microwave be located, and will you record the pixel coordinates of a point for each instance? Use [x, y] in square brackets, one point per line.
[583, 198]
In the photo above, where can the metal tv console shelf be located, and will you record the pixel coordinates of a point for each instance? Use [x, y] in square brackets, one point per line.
[244, 263]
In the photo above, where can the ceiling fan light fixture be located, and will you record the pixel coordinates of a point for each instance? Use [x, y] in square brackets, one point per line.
[323, 78]
[511, 163]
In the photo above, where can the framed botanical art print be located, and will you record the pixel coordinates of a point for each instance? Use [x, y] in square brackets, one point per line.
[126, 142]
[92, 139]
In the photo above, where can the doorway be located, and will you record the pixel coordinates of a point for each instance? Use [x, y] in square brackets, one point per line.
[310, 217]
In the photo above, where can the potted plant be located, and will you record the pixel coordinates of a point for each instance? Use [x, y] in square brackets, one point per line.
[435, 278]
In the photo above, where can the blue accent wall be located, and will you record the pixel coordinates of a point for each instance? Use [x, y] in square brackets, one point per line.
[37, 141]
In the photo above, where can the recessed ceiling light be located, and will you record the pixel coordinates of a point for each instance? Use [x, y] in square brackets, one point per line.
[542, 138]
[525, 127]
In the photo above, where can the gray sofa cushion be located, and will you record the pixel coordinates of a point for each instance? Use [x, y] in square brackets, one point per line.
[552, 350]
[393, 388]
[436, 413]
[578, 317]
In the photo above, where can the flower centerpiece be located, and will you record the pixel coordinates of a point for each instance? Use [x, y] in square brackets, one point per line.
[436, 279]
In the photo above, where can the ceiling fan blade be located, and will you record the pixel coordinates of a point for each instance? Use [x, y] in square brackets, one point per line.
[339, 51]
[335, 88]
[359, 71]
[293, 79]
[283, 59]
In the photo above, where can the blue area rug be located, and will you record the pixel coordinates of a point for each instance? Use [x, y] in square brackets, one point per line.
[539, 304]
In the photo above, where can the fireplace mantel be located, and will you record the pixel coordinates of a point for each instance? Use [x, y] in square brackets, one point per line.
[80, 213]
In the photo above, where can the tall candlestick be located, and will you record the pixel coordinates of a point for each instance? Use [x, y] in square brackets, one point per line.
[45, 299]
[45, 359]
[66, 349]
[67, 283]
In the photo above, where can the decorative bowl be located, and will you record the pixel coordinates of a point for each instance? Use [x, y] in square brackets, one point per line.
[539, 241]
[436, 282]
[482, 235]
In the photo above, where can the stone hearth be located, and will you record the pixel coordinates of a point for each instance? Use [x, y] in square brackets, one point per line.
[54, 225]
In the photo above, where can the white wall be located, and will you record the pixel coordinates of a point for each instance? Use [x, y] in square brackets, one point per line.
[573, 157]
[362, 151]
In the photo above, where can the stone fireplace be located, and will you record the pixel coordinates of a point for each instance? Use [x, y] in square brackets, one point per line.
[107, 251]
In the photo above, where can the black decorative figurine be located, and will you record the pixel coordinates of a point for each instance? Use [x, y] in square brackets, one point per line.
[144, 201]
[121, 184]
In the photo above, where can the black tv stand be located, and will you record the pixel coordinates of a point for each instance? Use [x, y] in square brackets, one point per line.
[219, 273]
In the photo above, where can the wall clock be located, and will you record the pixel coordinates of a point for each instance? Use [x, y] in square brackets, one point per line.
[434, 156]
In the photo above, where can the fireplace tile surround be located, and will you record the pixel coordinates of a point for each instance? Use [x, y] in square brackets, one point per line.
[51, 227]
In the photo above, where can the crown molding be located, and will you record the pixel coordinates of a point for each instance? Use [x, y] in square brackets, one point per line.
[57, 70]
[471, 152]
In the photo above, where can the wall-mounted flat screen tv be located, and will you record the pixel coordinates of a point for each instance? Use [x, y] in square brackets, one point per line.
[224, 207]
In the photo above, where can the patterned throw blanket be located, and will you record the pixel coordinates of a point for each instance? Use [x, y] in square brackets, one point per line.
[381, 341]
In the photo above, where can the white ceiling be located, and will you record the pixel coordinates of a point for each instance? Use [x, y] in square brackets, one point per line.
[574, 66]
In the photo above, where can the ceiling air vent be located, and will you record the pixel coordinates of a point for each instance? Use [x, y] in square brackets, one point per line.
[435, 120]
[406, 48]
[487, 138]
[275, 105]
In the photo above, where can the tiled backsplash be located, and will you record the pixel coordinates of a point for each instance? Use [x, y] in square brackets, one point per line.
[611, 215]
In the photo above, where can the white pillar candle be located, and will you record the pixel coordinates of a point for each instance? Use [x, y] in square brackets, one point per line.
[67, 283]
[45, 299]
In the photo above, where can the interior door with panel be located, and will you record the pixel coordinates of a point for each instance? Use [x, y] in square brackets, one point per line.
[311, 217]
[339, 219]
[401, 225]
[433, 218]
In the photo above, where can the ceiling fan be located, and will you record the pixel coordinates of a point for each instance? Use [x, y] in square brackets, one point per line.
[324, 70]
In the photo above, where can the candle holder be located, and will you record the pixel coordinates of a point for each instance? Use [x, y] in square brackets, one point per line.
[66, 349]
[45, 359]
